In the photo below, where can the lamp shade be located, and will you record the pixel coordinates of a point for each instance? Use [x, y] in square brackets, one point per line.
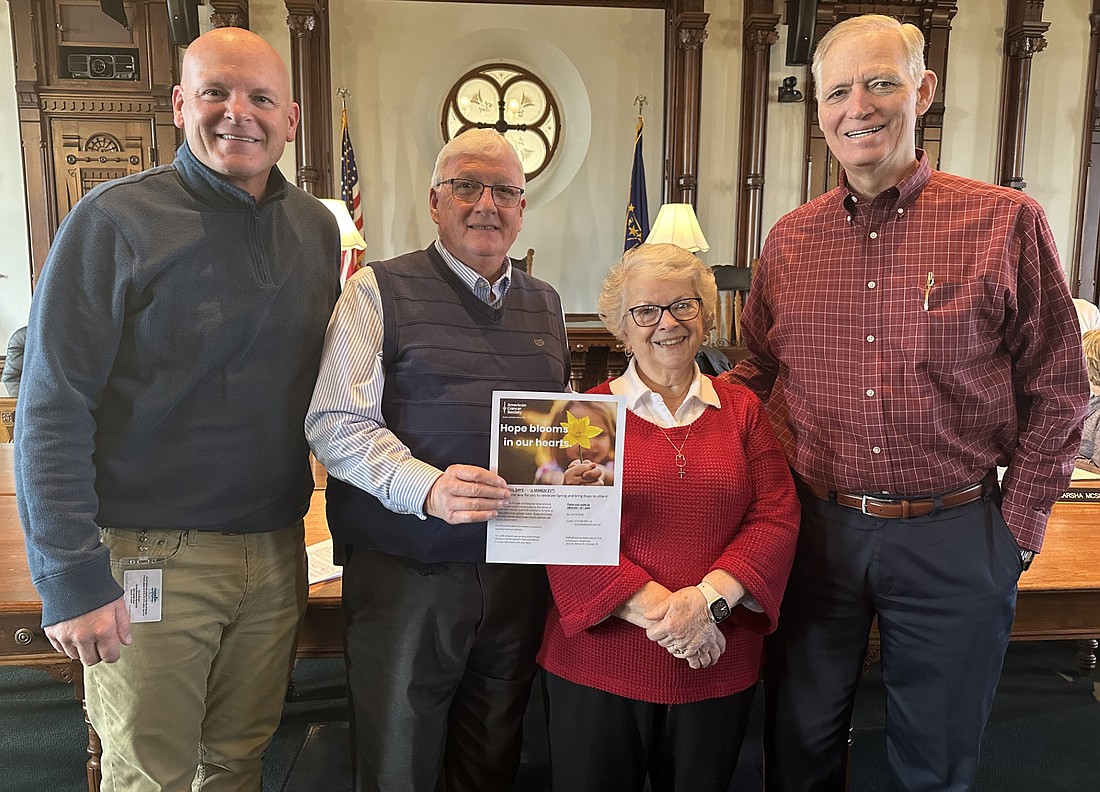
[676, 223]
[349, 234]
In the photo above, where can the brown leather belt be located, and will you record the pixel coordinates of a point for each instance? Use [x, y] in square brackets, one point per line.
[901, 508]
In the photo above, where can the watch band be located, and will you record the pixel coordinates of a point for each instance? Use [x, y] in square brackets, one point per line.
[716, 603]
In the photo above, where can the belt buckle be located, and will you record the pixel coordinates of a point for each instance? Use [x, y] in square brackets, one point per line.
[863, 505]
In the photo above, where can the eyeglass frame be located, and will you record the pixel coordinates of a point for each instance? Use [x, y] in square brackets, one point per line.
[698, 310]
[484, 187]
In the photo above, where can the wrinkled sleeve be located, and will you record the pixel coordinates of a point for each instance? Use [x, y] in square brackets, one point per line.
[586, 595]
[1049, 380]
[73, 334]
[762, 550]
[344, 425]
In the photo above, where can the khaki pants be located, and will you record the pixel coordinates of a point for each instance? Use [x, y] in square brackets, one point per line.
[195, 699]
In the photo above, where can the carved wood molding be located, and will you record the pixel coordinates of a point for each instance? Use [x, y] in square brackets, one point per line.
[760, 34]
[1024, 29]
[229, 13]
[102, 104]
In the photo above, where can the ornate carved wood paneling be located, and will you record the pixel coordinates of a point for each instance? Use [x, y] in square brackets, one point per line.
[759, 36]
[1085, 267]
[1024, 29]
[82, 126]
[309, 54]
[88, 152]
[933, 17]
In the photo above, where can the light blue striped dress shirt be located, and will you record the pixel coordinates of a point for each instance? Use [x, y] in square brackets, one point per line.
[344, 425]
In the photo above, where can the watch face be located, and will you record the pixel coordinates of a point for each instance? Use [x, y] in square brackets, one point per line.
[719, 609]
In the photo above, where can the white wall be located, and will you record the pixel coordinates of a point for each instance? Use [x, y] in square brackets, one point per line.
[595, 62]
[1056, 111]
[15, 257]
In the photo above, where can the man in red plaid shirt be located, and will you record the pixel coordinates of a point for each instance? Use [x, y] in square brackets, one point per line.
[912, 331]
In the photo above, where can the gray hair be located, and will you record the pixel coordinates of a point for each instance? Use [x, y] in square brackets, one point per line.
[911, 37]
[663, 261]
[487, 142]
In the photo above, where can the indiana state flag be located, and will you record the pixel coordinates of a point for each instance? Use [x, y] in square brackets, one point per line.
[637, 208]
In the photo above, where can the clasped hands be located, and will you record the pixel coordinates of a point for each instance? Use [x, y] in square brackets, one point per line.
[681, 623]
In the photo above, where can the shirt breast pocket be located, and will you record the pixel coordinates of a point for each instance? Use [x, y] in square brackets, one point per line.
[945, 324]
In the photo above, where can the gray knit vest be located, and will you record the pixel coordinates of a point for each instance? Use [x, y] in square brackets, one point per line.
[444, 352]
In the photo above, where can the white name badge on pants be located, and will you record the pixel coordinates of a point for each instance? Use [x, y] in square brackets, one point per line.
[143, 594]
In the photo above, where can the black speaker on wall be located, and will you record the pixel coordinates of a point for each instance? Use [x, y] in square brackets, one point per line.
[801, 19]
[183, 21]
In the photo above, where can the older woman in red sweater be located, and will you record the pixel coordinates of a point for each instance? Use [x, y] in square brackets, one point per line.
[651, 664]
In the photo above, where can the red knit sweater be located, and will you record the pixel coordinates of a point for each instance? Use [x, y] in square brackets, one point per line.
[735, 509]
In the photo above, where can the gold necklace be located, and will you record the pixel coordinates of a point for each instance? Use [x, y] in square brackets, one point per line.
[680, 459]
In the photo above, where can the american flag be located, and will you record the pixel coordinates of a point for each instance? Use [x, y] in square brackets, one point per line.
[350, 260]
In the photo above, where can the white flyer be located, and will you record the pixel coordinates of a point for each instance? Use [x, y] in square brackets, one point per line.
[561, 455]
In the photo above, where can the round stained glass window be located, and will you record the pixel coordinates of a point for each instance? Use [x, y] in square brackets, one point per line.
[511, 100]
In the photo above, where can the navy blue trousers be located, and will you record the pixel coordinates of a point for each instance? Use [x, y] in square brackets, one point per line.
[944, 590]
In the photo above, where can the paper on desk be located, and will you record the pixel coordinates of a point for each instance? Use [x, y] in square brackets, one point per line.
[320, 562]
[1083, 474]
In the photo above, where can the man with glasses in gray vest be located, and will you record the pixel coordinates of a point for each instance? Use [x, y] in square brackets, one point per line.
[440, 645]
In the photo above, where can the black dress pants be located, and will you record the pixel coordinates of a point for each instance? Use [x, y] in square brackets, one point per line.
[944, 589]
[600, 742]
[440, 660]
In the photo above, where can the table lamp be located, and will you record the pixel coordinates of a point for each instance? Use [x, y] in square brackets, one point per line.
[349, 234]
[676, 223]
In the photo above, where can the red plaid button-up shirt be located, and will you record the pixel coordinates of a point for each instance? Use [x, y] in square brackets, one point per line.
[911, 343]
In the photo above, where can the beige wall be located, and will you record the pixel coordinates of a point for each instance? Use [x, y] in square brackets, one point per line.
[595, 61]
[15, 267]
[399, 58]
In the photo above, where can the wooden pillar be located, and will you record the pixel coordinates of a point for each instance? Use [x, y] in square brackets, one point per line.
[1084, 278]
[1024, 29]
[759, 36]
[229, 13]
[935, 22]
[309, 55]
[685, 33]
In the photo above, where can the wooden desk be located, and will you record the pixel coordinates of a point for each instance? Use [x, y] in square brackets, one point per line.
[1059, 597]
[7, 473]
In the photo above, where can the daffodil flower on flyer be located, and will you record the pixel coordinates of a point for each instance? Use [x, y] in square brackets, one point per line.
[578, 432]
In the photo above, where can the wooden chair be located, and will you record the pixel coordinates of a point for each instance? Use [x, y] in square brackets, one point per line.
[526, 263]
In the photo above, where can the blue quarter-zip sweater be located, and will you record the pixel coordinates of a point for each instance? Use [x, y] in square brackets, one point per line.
[173, 343]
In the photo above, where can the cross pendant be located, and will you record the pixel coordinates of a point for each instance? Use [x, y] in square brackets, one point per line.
[681, 473]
